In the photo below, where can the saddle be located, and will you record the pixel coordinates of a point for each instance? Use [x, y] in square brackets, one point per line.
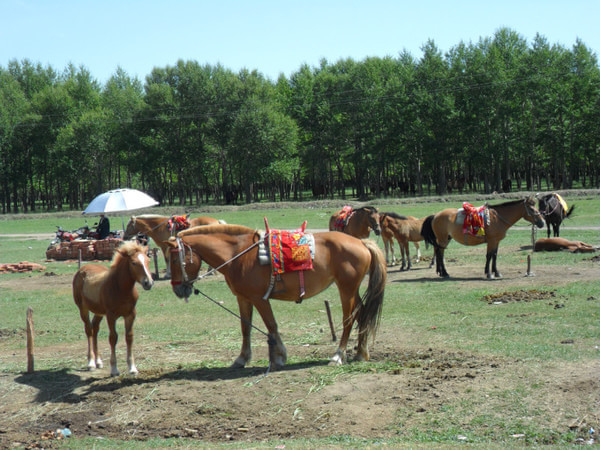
[286, 251]
[178, 223]
[342, 219]
[476, 219]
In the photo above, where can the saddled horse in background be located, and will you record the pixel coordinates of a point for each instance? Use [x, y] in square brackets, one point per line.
[404, 229]
[338, 258]
[111, 292]
[357, 222]
[439, 228]
[554, 210]
[158, 228]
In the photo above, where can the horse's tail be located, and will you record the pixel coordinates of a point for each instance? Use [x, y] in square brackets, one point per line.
[427, 232]
[570, 211]
[368, 314]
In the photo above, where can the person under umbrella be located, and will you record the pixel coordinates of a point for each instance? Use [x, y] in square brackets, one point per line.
[103, 228]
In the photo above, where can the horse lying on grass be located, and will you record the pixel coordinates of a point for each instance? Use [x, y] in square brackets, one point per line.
[556, 244]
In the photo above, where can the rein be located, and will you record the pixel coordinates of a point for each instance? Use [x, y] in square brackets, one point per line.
[181, 251]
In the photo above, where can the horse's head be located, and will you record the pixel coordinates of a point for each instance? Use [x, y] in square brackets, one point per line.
[185, 265]
[130, 229]
[139, 263]
[531, 212]
[373, 218]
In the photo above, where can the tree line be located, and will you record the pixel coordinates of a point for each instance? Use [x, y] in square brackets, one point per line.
[494, 115]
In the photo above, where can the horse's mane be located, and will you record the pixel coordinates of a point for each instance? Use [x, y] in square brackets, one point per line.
[218, 228]
[149, 216]
[128, 248]
[509, 203]
[371, 209]
[394, 215]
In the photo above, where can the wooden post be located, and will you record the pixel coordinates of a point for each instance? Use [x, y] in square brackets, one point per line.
[154, 252]
[529, 273]
[79, 266]
[30, 365]
[333, 338]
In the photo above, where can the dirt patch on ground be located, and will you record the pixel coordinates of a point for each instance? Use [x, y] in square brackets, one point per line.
[305, 400]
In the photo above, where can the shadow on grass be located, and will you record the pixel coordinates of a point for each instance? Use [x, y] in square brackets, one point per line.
[60, 385]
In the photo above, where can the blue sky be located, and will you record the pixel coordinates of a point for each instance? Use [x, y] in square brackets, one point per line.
[272, 37]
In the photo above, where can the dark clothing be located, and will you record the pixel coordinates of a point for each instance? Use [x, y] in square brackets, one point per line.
[103, 228]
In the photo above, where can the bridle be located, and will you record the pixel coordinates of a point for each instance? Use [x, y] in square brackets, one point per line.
[531, 211]
[180, 250]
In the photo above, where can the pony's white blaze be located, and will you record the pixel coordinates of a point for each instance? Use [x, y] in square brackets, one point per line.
[143, 262]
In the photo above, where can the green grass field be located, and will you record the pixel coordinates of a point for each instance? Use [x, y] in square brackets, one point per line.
[420, 312]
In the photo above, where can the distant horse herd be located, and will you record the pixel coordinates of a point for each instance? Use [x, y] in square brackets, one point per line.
[343, 256]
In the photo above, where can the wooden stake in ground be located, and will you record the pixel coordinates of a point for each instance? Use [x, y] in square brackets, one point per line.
[30, 364]
[333, 338]
[154, 252]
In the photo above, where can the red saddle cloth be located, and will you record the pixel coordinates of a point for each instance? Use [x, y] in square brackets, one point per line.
[476, 219]
[290, 250]
[342, 220]
[178, 223]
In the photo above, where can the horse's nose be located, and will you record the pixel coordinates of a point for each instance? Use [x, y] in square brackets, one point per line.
[147, 283]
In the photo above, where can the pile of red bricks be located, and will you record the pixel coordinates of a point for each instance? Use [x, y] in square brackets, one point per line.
[23, 266]
[90, 250]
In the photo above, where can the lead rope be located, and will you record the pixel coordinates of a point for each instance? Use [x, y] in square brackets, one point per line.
[270, 339]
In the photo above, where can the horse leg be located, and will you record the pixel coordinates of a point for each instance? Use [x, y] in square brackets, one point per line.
[112, 339]
[85, 317]
[418, 250]
[439, 263]
[407, 250]
[348, 305]
[277, 351]
[129, 340]
[245, 308]
[556, 229]
[386, 244]
[490, 257]
[95, 328]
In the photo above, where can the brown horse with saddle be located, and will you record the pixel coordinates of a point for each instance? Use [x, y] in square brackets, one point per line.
[451, 223]
[357, 222]
[335, 258]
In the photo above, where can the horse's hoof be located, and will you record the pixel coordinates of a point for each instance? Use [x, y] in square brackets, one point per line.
[490, 276]
[336, 360]
[237, 364]
[116, 373]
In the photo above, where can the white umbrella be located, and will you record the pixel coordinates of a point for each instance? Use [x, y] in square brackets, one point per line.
[119, 200]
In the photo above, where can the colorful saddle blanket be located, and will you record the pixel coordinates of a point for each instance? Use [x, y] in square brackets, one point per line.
[178, 223]
[342, 220]
[562, 202]
[290, 250]
[476, 219]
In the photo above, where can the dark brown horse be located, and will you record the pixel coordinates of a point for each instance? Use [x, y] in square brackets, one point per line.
[157, 227]
[358, 223]
[111, 292]
[554, 210]
[339, 258]
[438, 229]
